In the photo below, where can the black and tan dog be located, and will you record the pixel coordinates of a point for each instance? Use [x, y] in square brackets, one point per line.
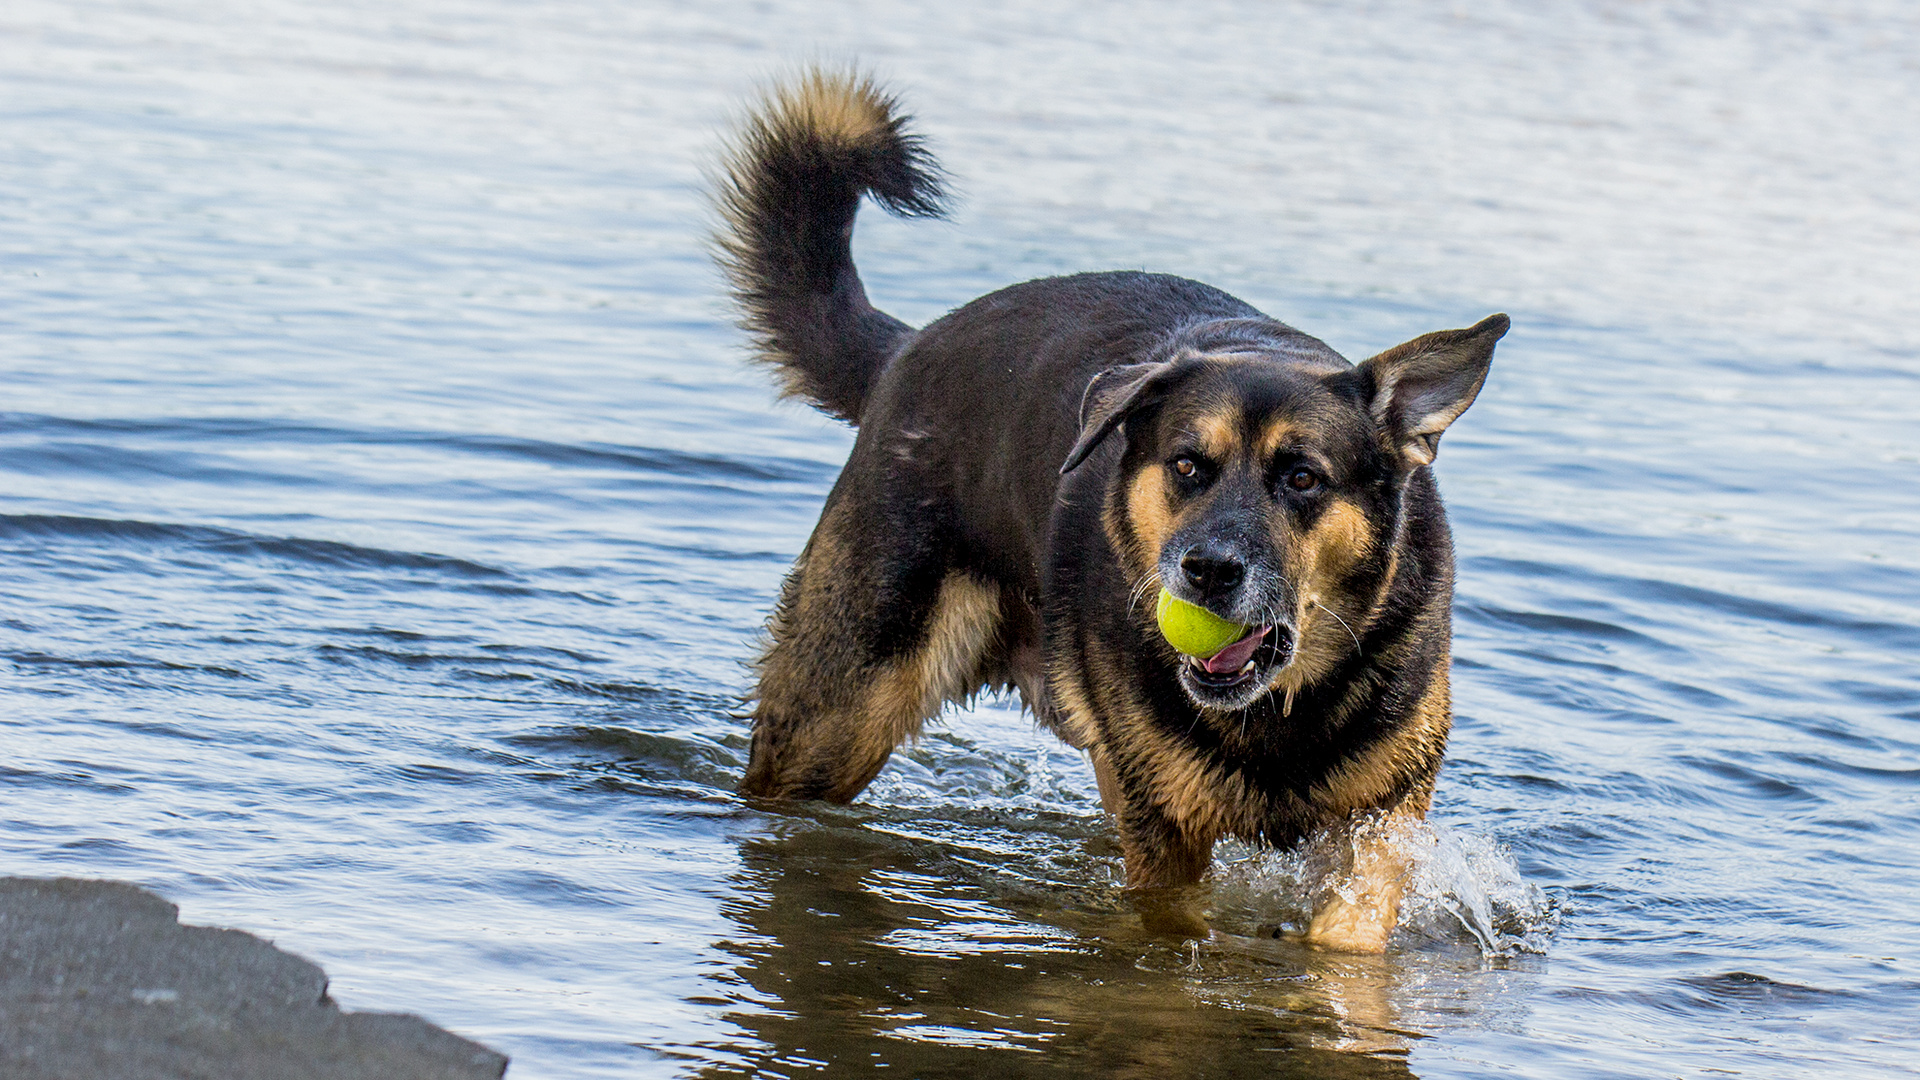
[1033, 468]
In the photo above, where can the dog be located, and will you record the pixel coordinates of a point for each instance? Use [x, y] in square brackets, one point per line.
[1030, 471]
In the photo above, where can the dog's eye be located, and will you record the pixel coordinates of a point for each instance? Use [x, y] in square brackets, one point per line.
[1190, 474]
[1302, 480]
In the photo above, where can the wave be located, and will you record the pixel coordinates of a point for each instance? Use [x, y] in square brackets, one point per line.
[209, 432]
[233, 542]
[1459, 885]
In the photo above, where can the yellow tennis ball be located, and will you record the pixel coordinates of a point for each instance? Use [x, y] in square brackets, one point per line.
[1193, 629]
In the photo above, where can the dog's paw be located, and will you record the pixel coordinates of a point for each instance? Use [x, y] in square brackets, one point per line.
[1362, 927]
[1172, 912]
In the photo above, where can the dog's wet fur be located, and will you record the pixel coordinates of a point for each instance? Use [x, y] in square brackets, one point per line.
[1030, 471]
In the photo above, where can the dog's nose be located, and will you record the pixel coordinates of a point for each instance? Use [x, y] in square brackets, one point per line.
[1212, 570]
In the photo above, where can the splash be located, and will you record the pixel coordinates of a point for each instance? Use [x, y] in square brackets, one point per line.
[1459, 885]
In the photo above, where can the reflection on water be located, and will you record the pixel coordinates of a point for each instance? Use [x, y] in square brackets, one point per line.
[847, 952]
[991, 934]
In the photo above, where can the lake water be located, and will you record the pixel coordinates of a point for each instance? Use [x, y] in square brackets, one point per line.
[386, 515]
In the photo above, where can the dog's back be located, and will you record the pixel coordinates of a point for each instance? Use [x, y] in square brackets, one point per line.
[986, 401]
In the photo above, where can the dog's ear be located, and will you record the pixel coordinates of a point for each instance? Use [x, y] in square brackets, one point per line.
[1415, 390]
[1115, 394]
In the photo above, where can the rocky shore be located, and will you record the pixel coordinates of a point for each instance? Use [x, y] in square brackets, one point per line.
[98, 978]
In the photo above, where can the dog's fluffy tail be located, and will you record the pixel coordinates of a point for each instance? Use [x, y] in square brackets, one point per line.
[793, 178]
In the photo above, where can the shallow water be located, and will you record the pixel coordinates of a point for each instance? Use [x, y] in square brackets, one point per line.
[386, 515]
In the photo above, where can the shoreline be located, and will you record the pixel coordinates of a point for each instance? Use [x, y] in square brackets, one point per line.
[100, 978]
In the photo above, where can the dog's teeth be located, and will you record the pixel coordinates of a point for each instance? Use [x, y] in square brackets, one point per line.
[1248, 668]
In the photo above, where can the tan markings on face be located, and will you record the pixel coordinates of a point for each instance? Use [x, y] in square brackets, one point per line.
[1337, 542]
[1276, 434]
[1329, 618]
[1149, 515]
[1219, 433]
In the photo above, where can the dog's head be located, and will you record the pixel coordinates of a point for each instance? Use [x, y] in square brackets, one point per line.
[1262, 480]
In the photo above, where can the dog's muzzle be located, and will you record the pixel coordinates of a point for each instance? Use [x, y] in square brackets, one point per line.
[1234, 676]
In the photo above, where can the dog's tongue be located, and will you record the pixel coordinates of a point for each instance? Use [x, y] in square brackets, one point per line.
[1233, 657]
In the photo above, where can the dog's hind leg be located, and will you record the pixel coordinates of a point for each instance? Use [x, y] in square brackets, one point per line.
[866, 646]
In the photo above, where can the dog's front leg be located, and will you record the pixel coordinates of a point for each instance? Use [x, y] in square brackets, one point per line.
[1161, 861]
[1362, 906]
[1158, 852]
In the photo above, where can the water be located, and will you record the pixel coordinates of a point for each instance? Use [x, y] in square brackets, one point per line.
[386, 515]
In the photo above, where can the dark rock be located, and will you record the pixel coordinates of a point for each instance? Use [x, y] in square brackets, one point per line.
[98, 978]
